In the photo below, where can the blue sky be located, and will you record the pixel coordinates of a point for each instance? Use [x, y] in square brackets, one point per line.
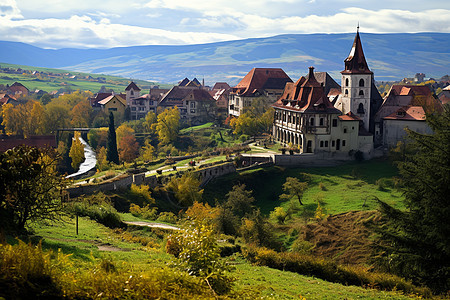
[118, 23]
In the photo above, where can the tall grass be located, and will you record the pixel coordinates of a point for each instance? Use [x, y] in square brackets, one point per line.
[329, 270]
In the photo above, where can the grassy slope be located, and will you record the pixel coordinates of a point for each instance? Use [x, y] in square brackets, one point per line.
[31, 82]
[343, 191]
[272, 283]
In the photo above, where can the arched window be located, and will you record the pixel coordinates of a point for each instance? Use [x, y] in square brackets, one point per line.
[361, 82]
[132, 92]
[346, 91]
[321, 121]
[311, 121]
[346, 81]
[361, 93]
[360, 109]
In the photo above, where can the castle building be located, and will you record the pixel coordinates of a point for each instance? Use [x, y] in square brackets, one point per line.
[306, 118]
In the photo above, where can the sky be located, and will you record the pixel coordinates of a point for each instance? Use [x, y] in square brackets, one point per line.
[120, 23]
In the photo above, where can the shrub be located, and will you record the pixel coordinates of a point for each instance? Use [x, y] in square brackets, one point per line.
[199, 255]
[97, 207]
[279, 214]
[301, 246]
[143, 192]
[167, 217]
[145, 212]
[244, 138]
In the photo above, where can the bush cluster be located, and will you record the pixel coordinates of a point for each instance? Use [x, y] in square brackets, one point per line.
[28, 272]
[98, 208]
[329, 270]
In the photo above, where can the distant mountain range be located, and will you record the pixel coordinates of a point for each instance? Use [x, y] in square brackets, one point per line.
[390, 57]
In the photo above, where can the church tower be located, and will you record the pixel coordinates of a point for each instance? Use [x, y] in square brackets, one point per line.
[356, 83]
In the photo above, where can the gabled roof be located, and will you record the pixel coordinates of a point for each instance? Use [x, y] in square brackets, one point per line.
[116, 97]
[132, 86]
[184, 82]
[261, 79]
[306, 95]
[217, 93]
[220, 86]
[356, 63]
[410, 113]
[326, 81]
[176, 95]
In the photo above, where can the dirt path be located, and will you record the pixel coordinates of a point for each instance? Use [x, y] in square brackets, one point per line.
[153, 225]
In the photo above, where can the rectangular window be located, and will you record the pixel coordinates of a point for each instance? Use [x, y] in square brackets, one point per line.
[192, 104]
[333, 143]
[343, 143]
[326, 143]
[334, 122]
[321, 144]
[112, 109]
[345, 129]
[321, 121]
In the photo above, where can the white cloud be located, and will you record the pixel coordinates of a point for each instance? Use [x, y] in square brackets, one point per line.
[83, 31]
[10, 10]
[87, 23]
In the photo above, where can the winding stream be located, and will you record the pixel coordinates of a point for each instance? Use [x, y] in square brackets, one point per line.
[89, 162]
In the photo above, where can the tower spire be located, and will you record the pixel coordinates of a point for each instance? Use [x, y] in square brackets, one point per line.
[356, 62]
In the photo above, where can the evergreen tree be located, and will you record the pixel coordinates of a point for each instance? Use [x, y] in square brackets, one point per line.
[111, 146]
[415, 243]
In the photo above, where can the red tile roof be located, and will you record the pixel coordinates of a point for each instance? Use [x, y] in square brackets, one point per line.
[349, 117]
[177, 94]
[412, 113]
[306, 95]
[356, 63]
[260, 79]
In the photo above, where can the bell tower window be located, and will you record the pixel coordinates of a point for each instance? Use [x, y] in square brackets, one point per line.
[360, 109]
[361, 93]
[346, 81]
[346, 91]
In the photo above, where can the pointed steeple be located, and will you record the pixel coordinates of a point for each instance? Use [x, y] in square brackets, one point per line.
[356, 63]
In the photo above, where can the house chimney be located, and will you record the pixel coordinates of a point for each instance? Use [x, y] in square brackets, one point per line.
[311, 72]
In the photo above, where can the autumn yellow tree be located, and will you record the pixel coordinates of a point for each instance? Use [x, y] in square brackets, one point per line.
[128, 148]
[123, 131]
[186, 188]
[76, 152]
[57, 116]
[167, 125]
[81, 114]
[148, 151]
[38, 119]
[149, 120]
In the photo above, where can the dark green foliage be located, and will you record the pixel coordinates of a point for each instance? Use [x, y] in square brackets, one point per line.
[416, 243]
[112, 155]
[238, 204]
[97, 207]
[30, 189]
[255, 229]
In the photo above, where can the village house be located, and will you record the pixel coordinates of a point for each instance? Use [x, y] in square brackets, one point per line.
[17, 90]
[266, 84]
[7, 99]
[220, 92]
[115, 104]
[195, 104]
[404, 106]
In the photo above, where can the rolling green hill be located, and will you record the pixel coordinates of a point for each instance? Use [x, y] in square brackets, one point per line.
[49, 79]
